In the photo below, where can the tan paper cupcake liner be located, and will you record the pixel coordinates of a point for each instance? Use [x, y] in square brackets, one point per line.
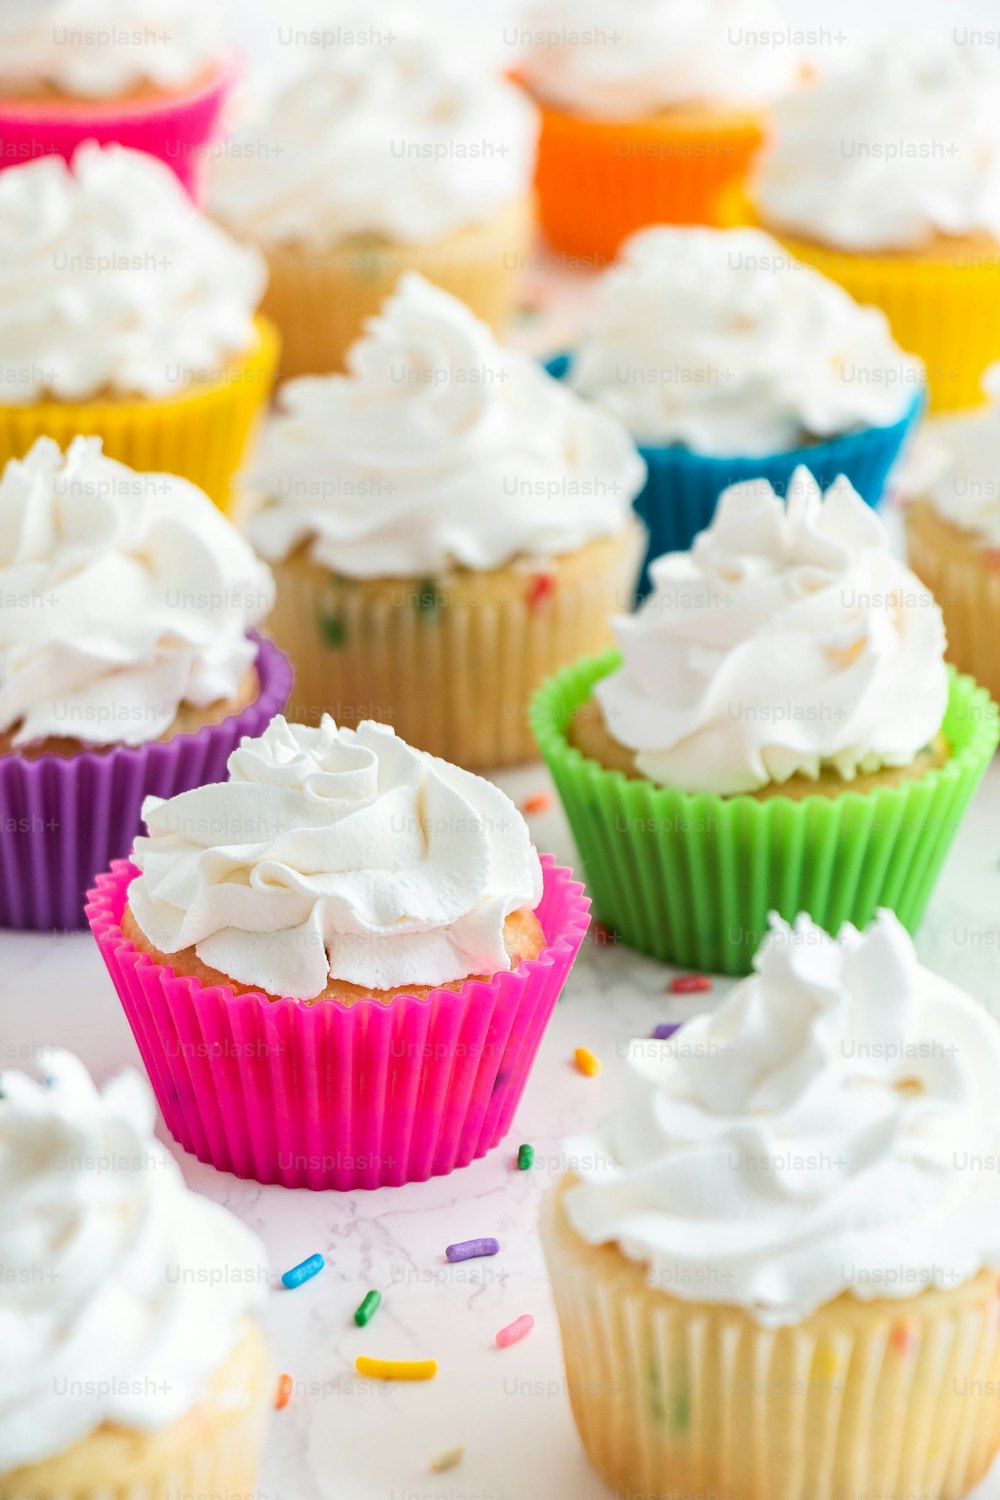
[452, 661]
[320, 297]
[885, 1400]
[964, 578]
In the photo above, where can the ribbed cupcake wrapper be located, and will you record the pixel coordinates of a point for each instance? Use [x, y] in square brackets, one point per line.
[700, 1402]
[683, 488]
[201, 434]
[62, 819]
[599, 180]
[965, 580]
[690, 879]
[451, 662]
[335, 1096]
[320, 297]
[178, 130]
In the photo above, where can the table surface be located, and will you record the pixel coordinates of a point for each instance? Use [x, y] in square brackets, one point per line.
[343, 1438]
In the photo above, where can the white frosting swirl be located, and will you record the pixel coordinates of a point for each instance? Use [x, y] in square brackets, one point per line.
[100, 49]
[461, 450]
[955, 464]
[822, 1132]
[624, 58]
[888, 150]
[787, 640]
[122, 595]
[122, 1292]
[112, 281]
[717, 339]
[336, 853]
[399, 138]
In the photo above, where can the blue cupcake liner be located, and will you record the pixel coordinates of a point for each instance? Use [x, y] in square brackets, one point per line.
[683, 488]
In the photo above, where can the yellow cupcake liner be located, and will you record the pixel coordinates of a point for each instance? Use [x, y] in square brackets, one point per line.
[885, 1400]
[201, 433]
[212, 1451]
[943, 305]
[964, 578]
[450, 661]
[320, 296]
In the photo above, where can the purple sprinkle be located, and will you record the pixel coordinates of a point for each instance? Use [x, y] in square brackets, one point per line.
[470, 1249]
[666, 1029]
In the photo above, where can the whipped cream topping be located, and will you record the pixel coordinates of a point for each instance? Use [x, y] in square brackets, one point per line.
[439, 446]
[955, 464]
[112, 282]
[830, 1128]
[719, 340]
[643, 56]
[335, 853]
[888, 149]
[122, 595]
[111, 1304]
[786, 641]
[100, 49]
[400, 138]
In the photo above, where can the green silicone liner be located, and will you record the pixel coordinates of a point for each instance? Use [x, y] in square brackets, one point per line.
[690, 879]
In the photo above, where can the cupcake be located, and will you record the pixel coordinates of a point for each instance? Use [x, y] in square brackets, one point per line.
[130, 1366]
[953, 530]
[885, 174]
[779, 732]
[728, 360]
[650, 110]
[127, 315]
[376, 159]
[150, 74]
[369, 939]
[127, 663]
[447, 525]
[780, 1277]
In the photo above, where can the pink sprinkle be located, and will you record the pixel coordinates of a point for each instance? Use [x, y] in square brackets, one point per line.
[515, 1331]
[690, 984]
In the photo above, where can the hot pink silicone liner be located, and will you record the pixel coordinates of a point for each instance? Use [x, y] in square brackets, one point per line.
[178, 130]
[335, 1096]
[64, 818]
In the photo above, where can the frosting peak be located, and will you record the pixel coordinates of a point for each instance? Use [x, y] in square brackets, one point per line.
[122, 595]
[814, 1135]
[335, 852]
[788, 639]
[468, 453]
[955, 464]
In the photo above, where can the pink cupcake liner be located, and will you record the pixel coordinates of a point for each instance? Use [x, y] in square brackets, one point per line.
[335, 1096]
[62, 819]
[177, 129]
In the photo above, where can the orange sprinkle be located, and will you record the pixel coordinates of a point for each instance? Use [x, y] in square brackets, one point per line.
[284, 1392]
[585, 1060]
[537, 803]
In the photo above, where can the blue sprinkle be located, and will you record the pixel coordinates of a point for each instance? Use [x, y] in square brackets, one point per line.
[665, 1030]
[304, 1271]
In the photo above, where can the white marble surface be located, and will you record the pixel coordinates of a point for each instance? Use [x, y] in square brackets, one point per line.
[343, 1438]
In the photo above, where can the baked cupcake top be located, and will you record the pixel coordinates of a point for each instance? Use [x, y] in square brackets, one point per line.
[335, 853]
[830, 1128]
[788, 640]
[400, 139]
[888, 150]
[111, 1304]
[102, 49]
[439, 446]
[721, 341]
[626, 58]
[122, 596]
[113, 284]
[955, 465]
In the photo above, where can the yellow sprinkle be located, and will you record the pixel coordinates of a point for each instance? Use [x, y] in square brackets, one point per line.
[449, 1459]
[396, 1369]
[587, 1062]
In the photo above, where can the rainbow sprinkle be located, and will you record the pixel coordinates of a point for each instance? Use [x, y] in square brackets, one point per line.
[690, 984]
[585, 1060]
[449, 1459]
[525, 1157]
[304, 1271]
[396, 1369]
[283, 1394]
[472, 1249]
[514, 1332]
[368, 1309]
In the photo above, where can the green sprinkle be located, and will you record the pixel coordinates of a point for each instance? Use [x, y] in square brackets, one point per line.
[368, 1308]
[427, 597]
[333, 630]
[526, 1157]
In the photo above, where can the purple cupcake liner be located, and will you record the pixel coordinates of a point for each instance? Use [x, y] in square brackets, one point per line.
[62, 819]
